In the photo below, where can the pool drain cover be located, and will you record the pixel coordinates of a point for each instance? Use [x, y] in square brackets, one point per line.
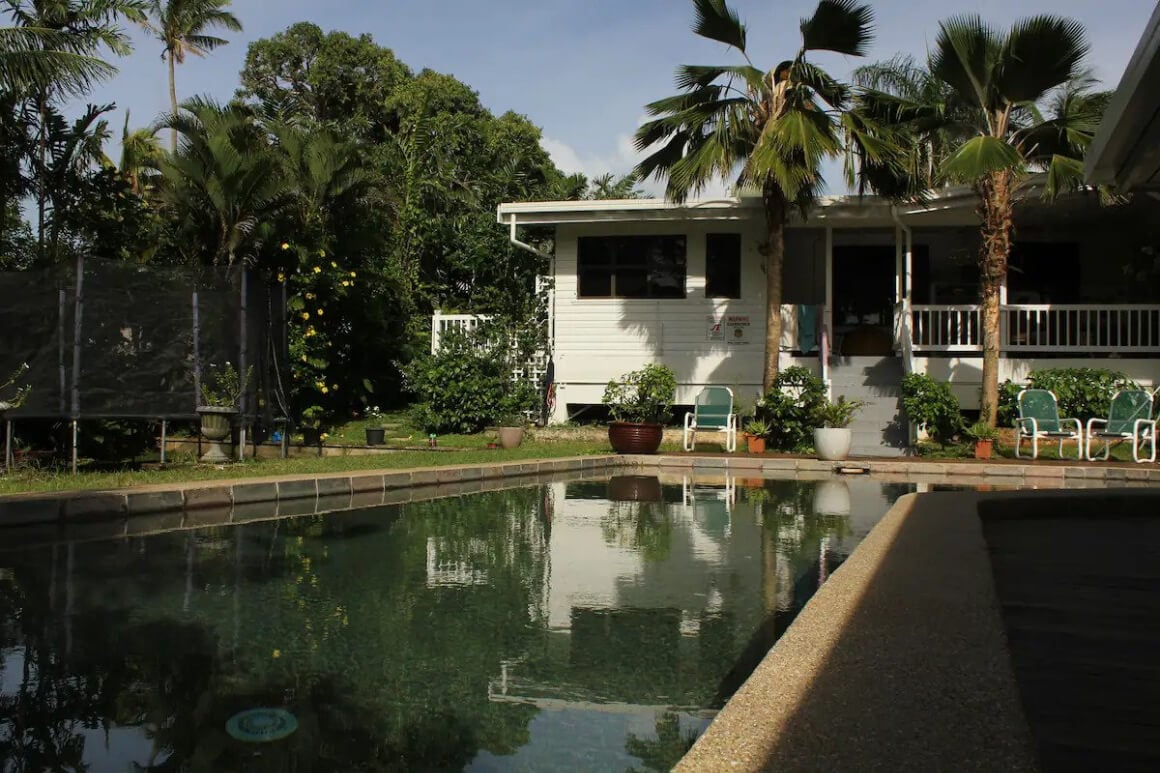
[261, 725]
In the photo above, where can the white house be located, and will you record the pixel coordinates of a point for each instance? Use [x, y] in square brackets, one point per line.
[881, 289]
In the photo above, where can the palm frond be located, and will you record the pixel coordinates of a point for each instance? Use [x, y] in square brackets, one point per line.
[717, 21]
[1039, 54]
[691, 76]
[842, 26]
[979, 157]
[965, 55]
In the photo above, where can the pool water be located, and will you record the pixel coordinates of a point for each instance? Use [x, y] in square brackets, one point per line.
[585, 625]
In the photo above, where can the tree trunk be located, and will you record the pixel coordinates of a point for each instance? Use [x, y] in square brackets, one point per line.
[172, 102]
[774, 251]
[996, 211]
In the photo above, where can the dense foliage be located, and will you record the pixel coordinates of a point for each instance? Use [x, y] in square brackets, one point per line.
[644, 395]
[931, 405]
[791, 409]
[1083, 393]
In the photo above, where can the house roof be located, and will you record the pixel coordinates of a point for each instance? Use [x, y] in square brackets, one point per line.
[955, 206]
[1126, 149]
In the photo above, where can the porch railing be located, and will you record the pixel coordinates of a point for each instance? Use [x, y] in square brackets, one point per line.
[533, 370]
[1049, 327]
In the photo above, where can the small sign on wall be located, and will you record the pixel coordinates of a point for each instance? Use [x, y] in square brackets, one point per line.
[716, 330]
[737, 329]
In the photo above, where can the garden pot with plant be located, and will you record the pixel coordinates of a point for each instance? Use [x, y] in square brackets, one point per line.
[755, 432]
[640, 403]
[221, 393]
[510, 430]
[832, 438]
[984, 436]
[375, 431]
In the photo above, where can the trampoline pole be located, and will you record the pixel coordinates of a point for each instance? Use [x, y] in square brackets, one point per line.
[163, 428]
[74, 446]
[8, 460]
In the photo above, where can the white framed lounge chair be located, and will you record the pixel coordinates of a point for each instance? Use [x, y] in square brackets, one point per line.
[1039, 420]
[1129, 418]
[712, 412]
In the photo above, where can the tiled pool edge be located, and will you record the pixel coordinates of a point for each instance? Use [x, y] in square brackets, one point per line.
[898, 662]
[209, 502]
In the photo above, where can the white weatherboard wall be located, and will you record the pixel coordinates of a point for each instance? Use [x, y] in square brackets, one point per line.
[599, 339]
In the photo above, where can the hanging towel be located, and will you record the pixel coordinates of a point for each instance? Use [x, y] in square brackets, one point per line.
[807, 324]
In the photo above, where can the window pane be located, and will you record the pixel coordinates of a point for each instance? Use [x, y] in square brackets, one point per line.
[595, 284]
[643, 266]
[723, 265]
[631, 283]
[666, 267]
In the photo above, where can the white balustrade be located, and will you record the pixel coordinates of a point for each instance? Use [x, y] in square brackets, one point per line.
[1050, 327]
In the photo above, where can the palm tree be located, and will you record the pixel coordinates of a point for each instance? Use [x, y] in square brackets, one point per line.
[768, 130]
[989, 109]
[140, 157]
[223, 182]
[181, 27]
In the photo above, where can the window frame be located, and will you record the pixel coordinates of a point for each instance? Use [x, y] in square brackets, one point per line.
[623, 258]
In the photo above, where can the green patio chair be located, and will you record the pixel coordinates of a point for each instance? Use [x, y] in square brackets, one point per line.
[1039, 420]
[712, 412]
[1129, 418]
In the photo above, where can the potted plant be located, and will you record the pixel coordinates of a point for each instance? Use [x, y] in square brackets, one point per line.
[375, 431]
[984, 436]
[312, 434]
[755, 432]
[640, 403]
[510, 428]
[221, 392]
[832, 436]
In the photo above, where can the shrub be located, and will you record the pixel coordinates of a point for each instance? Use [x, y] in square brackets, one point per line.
[644, 395]
[467, 385]
[981, 430]
[932, 404]
[1083, 393]
[791, 407]
[839, 413]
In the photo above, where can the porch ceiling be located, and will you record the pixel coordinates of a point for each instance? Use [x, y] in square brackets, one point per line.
[1126, 149]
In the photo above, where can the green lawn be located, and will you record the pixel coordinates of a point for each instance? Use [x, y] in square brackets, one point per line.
[25, 481]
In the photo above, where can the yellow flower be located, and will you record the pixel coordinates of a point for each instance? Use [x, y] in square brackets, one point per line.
[325, 391]
[285, 245]
[319, 312]
[281, 277]
[320, 384]
[277, 654]
[317, 270]
[333, 264]
[304, 358]
[334, 387]
[309, 296]
[309, 331]
[323, 436]
[353, 274]
[346, 283]
[306, 315]
[322, 253]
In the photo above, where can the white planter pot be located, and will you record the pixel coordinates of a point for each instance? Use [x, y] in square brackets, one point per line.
[832, 444]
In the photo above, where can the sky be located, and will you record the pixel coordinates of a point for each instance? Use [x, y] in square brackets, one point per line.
[583, 69]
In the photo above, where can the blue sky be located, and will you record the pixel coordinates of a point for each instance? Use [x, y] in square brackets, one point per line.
[583, 69]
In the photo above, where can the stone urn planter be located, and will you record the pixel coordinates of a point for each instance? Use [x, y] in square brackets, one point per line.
[832, 443]
[216, 423]
[629, 437]
[510, 437]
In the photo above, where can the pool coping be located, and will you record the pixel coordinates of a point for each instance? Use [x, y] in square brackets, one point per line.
[69, 506]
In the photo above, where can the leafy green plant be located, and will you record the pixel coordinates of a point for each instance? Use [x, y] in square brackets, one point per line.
[932, 404]
[790, 409]
[981, 430]
[643, 396]
[1083, 393]
[757, 427]
[838, 413]
[223, 387]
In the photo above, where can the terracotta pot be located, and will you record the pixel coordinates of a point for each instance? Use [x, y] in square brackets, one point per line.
[634, 488]
[755, 444]
[510, 437]
[629, 437]
[983, 448]
[216, 423]
[376, 436]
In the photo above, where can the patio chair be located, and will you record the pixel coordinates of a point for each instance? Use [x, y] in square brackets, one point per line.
[1039, 420]
[1129, 418]
[712, 412]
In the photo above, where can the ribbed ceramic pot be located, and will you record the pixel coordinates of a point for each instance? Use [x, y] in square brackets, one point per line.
[632, 438]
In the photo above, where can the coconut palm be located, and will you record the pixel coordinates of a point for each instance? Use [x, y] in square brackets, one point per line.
[181, 27]
[989, 109]
[140, 157]
[769, 131]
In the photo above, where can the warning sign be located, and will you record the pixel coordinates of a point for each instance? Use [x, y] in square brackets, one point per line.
[716, 329]
[737, 329]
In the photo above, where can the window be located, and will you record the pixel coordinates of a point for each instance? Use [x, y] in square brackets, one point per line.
[631, 266]
[723, 265]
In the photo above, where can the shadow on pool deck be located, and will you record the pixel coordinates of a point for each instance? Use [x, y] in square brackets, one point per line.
[900, 661]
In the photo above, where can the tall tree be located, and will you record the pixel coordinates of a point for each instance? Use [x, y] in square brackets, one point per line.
[767, 130]
[989, 109]
[182, 26]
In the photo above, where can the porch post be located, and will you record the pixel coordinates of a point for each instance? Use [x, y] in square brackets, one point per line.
[899, 268]
[828, 311]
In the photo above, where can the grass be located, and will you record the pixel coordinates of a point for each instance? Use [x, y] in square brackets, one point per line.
[28, 481]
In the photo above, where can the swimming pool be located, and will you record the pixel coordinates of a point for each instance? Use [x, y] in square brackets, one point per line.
[583, 625]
